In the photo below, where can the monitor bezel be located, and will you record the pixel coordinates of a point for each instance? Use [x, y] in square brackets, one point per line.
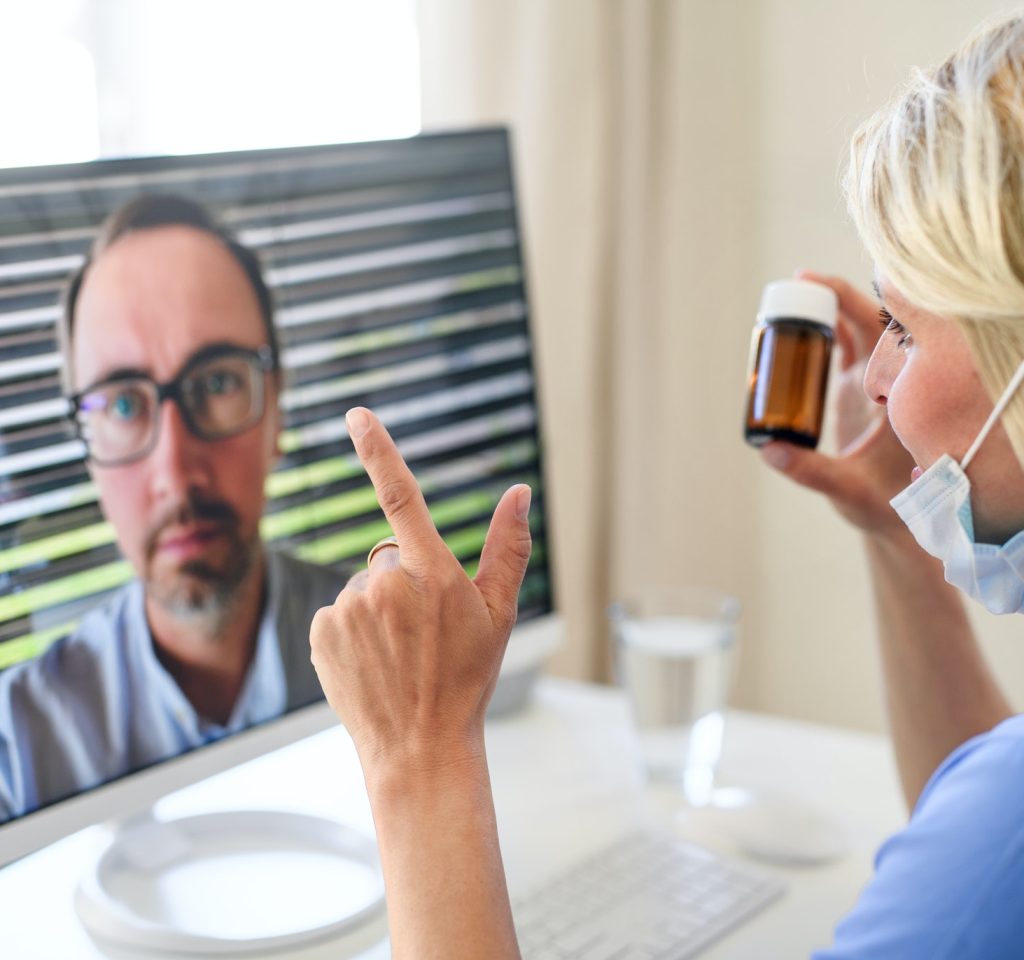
[529, 646]
[135, 792]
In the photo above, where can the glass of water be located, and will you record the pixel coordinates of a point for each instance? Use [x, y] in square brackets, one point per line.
[674, 649]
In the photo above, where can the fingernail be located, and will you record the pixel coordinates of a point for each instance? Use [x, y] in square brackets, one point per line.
[777, 456]
[523, 503]
[357, 422]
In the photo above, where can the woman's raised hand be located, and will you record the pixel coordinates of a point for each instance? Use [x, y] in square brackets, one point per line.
[872, 466]
[409, 653]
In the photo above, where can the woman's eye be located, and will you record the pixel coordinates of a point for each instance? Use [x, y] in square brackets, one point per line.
[892, 325]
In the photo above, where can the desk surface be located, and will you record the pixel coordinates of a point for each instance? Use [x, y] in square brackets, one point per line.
[566, 782]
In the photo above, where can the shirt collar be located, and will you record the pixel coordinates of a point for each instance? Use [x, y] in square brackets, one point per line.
[263, 694]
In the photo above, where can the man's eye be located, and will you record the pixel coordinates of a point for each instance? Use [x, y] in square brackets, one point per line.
[126, 405]
[220, 382]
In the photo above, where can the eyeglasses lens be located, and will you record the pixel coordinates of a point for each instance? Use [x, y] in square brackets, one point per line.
[223, 396]
[118, 419]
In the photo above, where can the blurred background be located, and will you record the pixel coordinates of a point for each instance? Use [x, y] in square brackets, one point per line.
[672, 157]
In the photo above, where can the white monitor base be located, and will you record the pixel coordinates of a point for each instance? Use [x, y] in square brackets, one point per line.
[230, 882]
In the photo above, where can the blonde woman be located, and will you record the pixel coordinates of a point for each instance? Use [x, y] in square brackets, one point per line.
[932, 428]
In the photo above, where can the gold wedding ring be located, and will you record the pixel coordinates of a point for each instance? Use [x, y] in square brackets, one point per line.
[380, 545]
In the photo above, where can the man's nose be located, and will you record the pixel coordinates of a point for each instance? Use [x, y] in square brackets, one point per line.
[178, 462]
[883, 365]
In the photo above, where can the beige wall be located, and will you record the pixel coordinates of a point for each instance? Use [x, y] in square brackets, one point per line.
[756, 99]
[636, 276]
[823, 66]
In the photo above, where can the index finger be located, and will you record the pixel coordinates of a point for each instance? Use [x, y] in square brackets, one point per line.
[397, 491]
[856, 306]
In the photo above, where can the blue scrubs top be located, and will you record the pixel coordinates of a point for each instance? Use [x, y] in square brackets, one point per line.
[951, 885]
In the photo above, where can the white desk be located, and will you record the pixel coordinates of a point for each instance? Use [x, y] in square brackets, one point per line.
[565, 782]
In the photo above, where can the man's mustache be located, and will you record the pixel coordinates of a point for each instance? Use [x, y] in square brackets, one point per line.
[195, 509]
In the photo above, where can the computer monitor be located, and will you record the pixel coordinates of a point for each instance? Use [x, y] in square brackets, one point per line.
[397, 282]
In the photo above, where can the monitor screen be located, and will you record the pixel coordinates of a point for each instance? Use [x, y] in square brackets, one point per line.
[396, 282]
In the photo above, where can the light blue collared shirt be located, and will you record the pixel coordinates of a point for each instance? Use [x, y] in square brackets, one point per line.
[99, 704]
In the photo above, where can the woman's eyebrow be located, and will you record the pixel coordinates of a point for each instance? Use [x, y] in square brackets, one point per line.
[877, 289]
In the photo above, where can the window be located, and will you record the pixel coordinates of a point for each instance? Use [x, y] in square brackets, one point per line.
[48, 113]
[123, 78]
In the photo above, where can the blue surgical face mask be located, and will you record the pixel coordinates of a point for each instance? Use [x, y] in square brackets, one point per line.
[937, 509]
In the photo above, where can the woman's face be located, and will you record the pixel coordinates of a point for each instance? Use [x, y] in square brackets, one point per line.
[923, 373]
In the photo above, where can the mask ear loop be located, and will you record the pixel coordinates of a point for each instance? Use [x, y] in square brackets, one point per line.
[1001, 405]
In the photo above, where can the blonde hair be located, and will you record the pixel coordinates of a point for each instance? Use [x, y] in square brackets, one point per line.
[935, 185]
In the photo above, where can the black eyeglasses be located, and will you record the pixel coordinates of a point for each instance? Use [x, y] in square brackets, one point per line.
[220, 392]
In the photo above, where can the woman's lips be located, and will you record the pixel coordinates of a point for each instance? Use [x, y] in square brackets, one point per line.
[915, 473]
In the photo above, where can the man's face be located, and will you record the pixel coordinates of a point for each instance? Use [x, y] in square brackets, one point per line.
[187, 514]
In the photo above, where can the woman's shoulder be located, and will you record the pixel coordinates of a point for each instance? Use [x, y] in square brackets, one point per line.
[973, 806]
[951, 883]
[988, 764]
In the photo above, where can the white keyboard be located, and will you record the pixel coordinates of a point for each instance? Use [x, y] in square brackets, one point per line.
[647, 897]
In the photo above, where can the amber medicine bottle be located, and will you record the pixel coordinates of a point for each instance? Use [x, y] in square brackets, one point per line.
[789, 359]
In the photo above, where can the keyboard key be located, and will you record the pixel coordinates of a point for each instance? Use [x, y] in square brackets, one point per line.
[600, 949]
[543, 951]
[573, 941]
[636, 953]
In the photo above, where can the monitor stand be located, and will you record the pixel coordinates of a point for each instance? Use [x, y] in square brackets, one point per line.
[231, 882]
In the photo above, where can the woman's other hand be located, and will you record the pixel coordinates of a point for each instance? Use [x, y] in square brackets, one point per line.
[872, 466]
[409, 654]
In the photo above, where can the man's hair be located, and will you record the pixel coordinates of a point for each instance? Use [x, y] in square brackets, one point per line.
[147, 212]
[935, 185]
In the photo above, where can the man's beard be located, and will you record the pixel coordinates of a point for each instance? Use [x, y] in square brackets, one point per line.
[204, 588]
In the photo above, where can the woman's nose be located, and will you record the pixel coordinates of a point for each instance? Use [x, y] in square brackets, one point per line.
[883, 365]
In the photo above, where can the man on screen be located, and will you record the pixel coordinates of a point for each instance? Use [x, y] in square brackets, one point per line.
[173, 369]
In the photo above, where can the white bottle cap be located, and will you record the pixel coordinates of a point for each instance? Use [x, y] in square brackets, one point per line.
[799, 300]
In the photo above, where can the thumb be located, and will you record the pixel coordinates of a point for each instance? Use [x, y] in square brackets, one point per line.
[505, 554]
[809, 468]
